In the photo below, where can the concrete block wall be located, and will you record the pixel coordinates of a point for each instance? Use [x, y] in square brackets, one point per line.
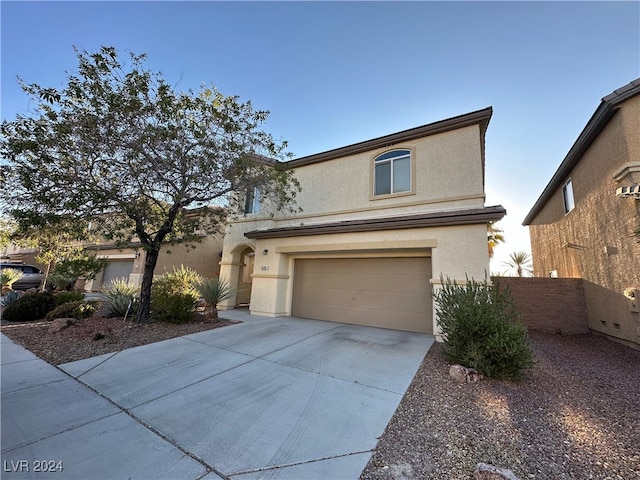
[549, 305]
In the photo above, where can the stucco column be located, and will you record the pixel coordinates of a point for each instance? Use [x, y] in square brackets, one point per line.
[461, 253]
[229, 271]
[271, 282]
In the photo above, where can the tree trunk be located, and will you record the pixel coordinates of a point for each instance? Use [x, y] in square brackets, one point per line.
[43, 286]
[144, 310]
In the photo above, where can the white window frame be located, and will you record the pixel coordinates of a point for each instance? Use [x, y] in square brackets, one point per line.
[403, 153]
[568, 199]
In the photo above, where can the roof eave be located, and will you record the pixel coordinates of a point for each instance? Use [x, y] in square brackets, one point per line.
[598, 121]
[480, 117]
[472, 216]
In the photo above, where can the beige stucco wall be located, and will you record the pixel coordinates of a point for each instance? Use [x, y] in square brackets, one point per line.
[595, 240]
[204, 259]
[447, 174]
[457, 252]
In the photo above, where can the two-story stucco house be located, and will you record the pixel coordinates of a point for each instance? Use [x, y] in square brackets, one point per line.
[382, 221]
[583, 223]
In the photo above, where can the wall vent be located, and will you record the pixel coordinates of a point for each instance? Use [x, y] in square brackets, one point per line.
[630, 191]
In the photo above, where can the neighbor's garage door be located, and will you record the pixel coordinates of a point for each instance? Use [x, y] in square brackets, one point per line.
[117, 269]
[379, 292]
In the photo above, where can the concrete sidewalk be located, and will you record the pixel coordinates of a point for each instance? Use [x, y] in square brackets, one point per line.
[276, 398]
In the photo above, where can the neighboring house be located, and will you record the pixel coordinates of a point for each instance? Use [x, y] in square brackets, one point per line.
[583, 224]
[128, 263]
[16, 254]
[382, 221]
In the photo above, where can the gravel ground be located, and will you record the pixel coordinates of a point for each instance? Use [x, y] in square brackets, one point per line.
[98, 335]
[576, 415]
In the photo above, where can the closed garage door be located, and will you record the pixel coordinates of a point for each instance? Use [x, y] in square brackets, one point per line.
[379, 292]
[117, 269]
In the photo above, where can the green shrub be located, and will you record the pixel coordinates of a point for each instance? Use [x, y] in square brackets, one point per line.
[182, 280]
[64, 297]
[214, 291]
[66, 273]
[30, 307]
[480, 326]
[9, 276]
[172, 307]
[174, 296]
[61, 281]
[77, 310]
[122, 298]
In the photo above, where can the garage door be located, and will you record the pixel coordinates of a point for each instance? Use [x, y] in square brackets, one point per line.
[121, 269]
[379, 292]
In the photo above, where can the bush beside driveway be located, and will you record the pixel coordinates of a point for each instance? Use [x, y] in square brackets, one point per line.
[575, 415]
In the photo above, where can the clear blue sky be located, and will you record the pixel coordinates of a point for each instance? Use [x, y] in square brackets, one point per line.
[332, 73]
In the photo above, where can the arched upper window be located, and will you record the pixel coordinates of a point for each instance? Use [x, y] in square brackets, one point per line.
[392, 172]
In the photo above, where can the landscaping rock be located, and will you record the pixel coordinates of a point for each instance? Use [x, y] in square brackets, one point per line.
[464, 374]
[60, 324]
[485, 471]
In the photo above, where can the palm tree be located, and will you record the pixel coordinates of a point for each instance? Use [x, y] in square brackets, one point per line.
[494, 236]
[520, 262]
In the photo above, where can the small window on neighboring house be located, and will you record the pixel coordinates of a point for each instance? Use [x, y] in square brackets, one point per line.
[392, 172]
[567, 196]
[252, 202]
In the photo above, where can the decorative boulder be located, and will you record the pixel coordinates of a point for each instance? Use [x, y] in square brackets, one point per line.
[464, 374]
[60, 324]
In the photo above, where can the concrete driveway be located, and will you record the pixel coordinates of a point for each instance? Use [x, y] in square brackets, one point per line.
[270, 398]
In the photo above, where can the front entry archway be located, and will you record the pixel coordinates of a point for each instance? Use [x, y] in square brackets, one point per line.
[245, 277]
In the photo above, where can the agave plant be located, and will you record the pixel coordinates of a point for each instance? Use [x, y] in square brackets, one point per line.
[122, 297]
[8, 297]
[213, 291]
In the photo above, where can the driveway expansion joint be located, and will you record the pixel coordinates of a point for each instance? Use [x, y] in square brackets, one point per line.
[152, 429]
[58, 433]
[97, 365]
[343, 432]
[331, 376]
[294, 464]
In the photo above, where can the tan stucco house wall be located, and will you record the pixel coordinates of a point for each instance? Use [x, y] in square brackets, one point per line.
[595, 239]
[128, 263]
[370, 259]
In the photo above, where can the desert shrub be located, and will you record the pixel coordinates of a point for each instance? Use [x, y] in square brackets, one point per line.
[172, 307]
[77, 309]
[182, 280]
[67, 272]
[64, 297]
[61, 281]
[480, 326]
[30, 307]
[122, 297]
[174, 295]
[9, 276]
[214, 291]
[9, 296]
